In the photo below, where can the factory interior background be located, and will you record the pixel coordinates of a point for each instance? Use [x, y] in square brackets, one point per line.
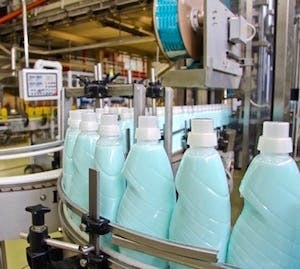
[186, 110]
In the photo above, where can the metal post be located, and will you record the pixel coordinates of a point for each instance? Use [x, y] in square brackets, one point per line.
[154, 108]
[99, 71]
[262, 57]
[94, 205]
[168, 128]
[139, 103]
[285, 11]
[246, 10]
[25, 33]
[3, 262]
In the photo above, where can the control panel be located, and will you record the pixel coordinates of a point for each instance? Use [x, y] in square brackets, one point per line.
[40, 84]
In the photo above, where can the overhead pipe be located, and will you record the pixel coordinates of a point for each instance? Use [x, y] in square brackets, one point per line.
[14, 14]
[25, 33]
[110, 43]
[13, 60]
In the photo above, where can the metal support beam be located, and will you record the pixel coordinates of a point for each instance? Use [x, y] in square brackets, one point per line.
[285, 14]
[246, 10]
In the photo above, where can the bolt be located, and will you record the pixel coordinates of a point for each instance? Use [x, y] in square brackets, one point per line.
[83, 262]
[43, 197]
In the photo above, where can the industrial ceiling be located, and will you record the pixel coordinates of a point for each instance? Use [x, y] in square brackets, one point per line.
[67, 28]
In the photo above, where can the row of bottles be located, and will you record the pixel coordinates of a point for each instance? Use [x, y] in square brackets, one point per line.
[139, 192]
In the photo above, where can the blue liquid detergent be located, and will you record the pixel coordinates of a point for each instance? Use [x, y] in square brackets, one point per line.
[202, 213]
[149, 198]
[178, 129]
[109, 160]
[70, 139]
[267, 233]
[83, 157]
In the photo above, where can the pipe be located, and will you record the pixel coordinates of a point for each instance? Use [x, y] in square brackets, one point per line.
[63, 245]
[13, 60]
[30, 154]
[25, 33]
[30, 179]
[12, 15]
[4, 49]
[110, 43]
[168, 121]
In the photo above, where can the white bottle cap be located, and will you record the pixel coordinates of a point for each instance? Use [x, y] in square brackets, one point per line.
[99, 113]
[275, 138]
[147, 129]
[109, 126]
[74, 118]
[89, 122]
[113, 110]
[202, 133]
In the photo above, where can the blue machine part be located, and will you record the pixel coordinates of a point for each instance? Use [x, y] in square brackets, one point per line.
[166, 19]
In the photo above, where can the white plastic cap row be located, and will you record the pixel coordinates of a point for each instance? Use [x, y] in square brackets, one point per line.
[147, 129]
[109, 126]
[275, 138]
[202, 133]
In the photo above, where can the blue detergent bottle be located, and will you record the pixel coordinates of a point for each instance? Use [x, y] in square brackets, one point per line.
[201, 216]
[267, 233]
[69, 143]
[149, 198]
[109, 160]
[83, 157]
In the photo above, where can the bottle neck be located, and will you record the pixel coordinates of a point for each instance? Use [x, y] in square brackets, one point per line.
[147, 142]
[267, 153]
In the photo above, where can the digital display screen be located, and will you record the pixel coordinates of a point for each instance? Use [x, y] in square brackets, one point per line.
[41, 84]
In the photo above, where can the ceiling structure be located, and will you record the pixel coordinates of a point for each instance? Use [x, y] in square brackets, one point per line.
[67, 28]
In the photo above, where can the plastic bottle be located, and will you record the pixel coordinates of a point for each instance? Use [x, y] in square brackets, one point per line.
[109, 160]
[267, 233]
[70, 139]
[83, 157]
[202, 213]
[149, 198]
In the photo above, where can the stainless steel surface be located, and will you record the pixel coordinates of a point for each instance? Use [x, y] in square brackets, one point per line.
[285, 10]
[114, 90]
[152, 78]
[13, 63]
[219, 71]
[32, 148]
[154, 108]
[14, 214]
[94, 208]
[64, 245]
[246, 10]
[25, 33]
[168, 133]
[262, 69]
[99, 71]
[139, 104]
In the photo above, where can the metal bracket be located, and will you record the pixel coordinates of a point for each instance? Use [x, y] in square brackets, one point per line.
[247, 62]
[89, 225]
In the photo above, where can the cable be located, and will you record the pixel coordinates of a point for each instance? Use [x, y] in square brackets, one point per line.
[253, 32]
